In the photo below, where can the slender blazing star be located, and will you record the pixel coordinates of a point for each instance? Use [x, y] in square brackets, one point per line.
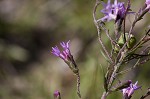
[114, 11]
[130, 90]
[65, 54]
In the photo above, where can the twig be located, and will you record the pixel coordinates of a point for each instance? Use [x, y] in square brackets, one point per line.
[98, 30]
[137, 18]
[129, 69]
[146, 95]
[104, 96]
[78, 85]
[108, 35]
[140, 42]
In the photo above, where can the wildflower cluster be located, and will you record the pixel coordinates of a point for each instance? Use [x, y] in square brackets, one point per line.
[125, 46]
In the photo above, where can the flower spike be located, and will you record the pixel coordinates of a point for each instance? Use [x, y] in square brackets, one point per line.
[65, 54]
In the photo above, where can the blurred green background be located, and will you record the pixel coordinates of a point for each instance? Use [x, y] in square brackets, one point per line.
[28, 30]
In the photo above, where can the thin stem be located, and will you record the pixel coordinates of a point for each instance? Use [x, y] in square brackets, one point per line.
[136, 64]
[146, 95]
[110, 38]
[98, 31]
[78, 85]
[144, 61]
[116, 69]
[129, 69]
[137, 18]
[104, 96]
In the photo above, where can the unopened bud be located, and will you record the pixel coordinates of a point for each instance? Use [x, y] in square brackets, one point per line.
[57, 95]
[130, 43]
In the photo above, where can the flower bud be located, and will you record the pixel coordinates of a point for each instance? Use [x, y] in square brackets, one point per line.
[57, 95]
[131, 38]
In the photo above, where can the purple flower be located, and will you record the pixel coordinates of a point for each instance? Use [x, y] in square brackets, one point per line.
[114, 11]
[130, 90]
[65, 54]
[107, 11]
[147, 4]
[57, 95]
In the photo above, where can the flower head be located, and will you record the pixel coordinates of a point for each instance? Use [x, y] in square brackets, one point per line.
[114, 11]
[147, 4]
[130, 90]
[57, 95]
[65, 54]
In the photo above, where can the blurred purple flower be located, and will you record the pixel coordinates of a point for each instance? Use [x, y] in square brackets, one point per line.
[57, 95]
[147, 4]
[130, 90]
[65, 54]
[114, 11]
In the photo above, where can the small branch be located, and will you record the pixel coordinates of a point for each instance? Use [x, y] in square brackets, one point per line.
[136, 64]
[104, 96]
[129, 69]
[137, 18]
[116, 69]
[98, 31]
[78, 85]
[121, 51]
[144, 61]
[140, 42]
[110, 38]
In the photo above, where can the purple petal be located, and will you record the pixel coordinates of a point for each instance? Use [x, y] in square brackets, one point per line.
[63, 44]
[147, 2]
[105, 18]
[55, 51]
[67, 44]
[65, 53]
[131, 91]
[62, 56]
[104, 4]
[115, 2]
[109, 2]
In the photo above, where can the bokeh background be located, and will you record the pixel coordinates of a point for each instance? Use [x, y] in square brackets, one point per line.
[28, 30]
